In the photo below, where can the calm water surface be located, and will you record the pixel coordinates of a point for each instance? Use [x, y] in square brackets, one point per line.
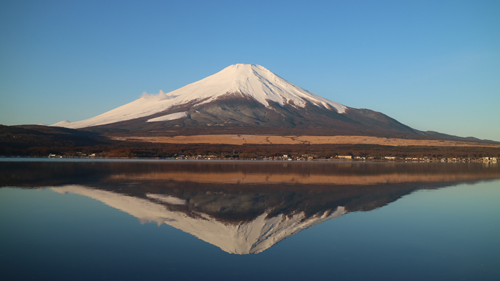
[180, 220]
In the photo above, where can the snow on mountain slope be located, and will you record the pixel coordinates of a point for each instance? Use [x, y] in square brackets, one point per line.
[252, 80]
[168, 117]
[248, 237]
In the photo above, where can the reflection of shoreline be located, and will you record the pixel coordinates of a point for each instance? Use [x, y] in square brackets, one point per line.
[245, 237]
[241, 173]
[290, 178]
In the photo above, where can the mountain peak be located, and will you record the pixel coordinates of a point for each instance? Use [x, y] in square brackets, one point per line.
[251, 80]
[244, 66]
[257, 82]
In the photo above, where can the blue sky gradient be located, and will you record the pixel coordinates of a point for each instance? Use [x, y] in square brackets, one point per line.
[432, 65]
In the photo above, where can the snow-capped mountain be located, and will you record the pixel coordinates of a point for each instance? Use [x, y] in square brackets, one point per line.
[253, 81]
[241, 96]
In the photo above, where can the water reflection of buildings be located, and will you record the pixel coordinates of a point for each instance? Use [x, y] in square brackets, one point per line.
[241, 208]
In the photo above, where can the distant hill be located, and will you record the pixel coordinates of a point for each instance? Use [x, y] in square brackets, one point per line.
[20, 138]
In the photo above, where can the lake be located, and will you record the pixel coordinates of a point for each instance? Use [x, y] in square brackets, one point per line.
[241, 220]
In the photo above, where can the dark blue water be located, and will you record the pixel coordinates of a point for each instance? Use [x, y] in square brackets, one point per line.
[436, 225]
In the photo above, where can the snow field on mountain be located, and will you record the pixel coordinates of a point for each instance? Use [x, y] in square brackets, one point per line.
[169, 117]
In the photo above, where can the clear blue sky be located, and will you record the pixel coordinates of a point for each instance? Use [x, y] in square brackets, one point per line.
[433, 65]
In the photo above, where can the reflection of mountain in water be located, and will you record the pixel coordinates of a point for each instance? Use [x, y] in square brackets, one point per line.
[245, 237]
[239, 207]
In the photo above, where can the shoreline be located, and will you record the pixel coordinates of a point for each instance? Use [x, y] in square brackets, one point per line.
[172, 159]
